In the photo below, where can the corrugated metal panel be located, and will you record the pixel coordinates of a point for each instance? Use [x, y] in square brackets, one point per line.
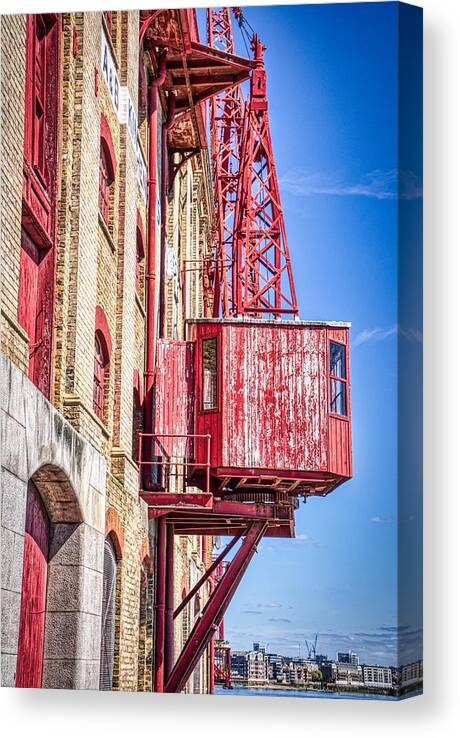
[174, 396]
[274, 397]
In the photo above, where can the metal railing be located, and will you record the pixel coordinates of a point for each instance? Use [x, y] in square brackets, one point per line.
[173, 464]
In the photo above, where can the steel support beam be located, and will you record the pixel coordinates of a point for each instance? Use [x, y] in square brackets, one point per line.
[214, 610]
[169, 602]
[160, 596]
[207, 573]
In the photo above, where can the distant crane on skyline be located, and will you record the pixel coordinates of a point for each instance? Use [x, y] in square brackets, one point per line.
[311, 648]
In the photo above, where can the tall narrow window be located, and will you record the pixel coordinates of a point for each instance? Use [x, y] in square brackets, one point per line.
[338, 378]
[107, 170]
[137, 414]
[104, 185]
[108, 616]
[209, 374]
[40, 82]
[37, 262]
[41, 113]
[100, 366]
[140, 253]
[185, 620]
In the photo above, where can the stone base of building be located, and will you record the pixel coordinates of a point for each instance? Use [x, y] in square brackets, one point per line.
[39, 446]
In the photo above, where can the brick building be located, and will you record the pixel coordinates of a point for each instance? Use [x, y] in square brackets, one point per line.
[88, 185]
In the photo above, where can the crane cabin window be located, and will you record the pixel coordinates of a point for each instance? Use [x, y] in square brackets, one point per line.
[209, 374]
[338, 378]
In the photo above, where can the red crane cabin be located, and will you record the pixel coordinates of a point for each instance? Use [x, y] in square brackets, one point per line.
[274, 397]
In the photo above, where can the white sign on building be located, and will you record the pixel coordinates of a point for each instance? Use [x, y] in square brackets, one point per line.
[124, 108]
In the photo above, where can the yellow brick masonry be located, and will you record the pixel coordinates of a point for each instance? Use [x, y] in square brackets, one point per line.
[96, 265]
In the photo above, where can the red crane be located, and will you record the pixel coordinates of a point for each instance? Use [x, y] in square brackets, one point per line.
[226, 120]
[262, 406]
[254, 274]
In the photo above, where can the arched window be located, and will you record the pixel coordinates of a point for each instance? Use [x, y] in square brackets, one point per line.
[107, 170]
[185, 620]
[109, 587]
[140, 254]
[102, 353]
[104, 185]
[196, 606]
[100, 363]
[137, 414]
[33, 592]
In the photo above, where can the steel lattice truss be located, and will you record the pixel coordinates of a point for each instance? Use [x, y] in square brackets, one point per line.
[264, 283]
[226, 118]
[251, 269]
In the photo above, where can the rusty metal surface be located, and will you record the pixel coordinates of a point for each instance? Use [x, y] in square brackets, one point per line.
[273, 416]
[174, 396]
[274, 398]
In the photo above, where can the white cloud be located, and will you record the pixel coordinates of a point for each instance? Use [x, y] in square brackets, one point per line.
[375, 335]
[378, 184]
[383, 519]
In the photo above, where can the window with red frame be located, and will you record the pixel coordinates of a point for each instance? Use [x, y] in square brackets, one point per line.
[41, 97]
[105, 181]
[39, 120]
[209, 374]
[101, 362]
[338, 378]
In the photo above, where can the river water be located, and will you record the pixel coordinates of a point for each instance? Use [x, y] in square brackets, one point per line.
[317, 694]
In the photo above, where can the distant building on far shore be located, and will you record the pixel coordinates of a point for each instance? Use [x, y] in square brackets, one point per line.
[348, 675]
[257, 666]
[377, 677]
[348, 657]
[411, 673]
[239, 666]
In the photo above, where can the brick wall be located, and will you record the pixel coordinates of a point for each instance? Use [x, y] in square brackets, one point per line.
[96, 266]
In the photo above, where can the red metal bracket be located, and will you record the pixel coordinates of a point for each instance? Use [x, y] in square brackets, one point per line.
[214, 610]
[207, 574]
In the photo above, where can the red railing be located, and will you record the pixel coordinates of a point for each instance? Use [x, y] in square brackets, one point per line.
[174, 460]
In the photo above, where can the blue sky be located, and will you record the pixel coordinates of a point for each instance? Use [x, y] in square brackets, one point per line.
[332, 85]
